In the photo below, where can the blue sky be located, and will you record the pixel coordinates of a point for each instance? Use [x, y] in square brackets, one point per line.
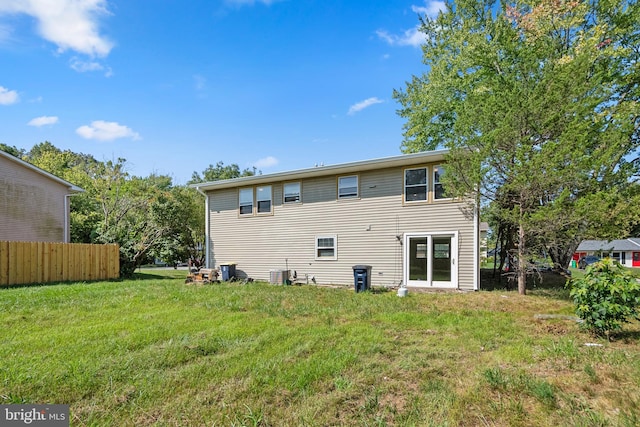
[173, 85]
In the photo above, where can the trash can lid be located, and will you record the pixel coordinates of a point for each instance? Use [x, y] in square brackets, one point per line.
[361, 267]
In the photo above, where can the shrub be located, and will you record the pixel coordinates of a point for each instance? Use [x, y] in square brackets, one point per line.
[607, 296]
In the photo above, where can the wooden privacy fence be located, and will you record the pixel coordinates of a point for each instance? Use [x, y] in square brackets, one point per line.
[42, 262]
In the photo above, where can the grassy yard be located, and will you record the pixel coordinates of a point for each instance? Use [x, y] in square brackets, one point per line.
[155, 351]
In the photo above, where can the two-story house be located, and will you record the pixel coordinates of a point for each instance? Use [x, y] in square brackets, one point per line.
[34, 204]
[390, 213]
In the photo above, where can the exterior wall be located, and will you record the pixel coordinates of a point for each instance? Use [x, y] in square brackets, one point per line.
[32, 206]
[369, 230]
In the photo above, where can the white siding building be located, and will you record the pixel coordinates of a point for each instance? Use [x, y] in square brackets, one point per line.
[389, 213]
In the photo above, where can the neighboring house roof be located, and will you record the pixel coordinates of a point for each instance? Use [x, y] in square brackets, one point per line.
[36, 169]
[339, 169]
[630, 244]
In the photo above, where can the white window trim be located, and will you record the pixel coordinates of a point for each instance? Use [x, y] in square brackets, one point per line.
[256, 192]
[335, 247]
[429, 282]
[425, 185]
[252, 202]
[357, 195]
[299, 193]
[433, 185]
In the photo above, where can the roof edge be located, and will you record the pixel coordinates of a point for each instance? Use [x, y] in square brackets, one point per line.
[350, 167]
[72, 187]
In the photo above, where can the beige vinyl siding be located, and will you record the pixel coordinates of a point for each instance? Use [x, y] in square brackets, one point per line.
[366, 228]
[32, 206]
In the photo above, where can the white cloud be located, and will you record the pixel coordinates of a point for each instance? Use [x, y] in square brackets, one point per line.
[69, 24]
[414, 37]
[411, 37]
[430, 8]
[81, 66]
[106, 131]
[42, 121]
[363, 104]
[267, 162]
[84, 66]
[8, 97]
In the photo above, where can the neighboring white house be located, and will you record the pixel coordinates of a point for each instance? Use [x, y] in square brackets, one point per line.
[484, 231]
[389, 213]
[626, 251]
[34, 204]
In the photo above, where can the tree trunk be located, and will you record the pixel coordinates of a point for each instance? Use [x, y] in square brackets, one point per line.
[522, 262]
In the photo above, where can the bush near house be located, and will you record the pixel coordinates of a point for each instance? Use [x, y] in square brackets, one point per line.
[606, 296]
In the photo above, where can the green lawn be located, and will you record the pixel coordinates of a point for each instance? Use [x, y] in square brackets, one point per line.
[155, 351]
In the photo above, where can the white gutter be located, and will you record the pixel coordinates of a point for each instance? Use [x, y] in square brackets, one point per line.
[207, 245]
[344, 168]
[66, 238]
[36, 169]
[476, 247]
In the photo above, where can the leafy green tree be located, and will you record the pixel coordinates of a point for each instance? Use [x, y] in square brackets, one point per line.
[219, 172]
[538, 103]
[13, 150]
[187, 241]
[78, 169]
[134, 212]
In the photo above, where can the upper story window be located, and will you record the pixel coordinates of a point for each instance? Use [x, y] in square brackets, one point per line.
[245, 201]
[438, 188]
[263, 199]
[415, 184]
[347, 187]
[291, 192]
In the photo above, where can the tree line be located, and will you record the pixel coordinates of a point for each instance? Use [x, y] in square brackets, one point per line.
[148, 217]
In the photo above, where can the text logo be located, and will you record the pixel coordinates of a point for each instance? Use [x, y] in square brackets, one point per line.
[34, 415]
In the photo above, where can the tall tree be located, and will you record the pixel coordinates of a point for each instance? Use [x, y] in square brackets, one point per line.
[78, 169]
[13, 150]
[220, 171]
[147, 217]
[538, 102]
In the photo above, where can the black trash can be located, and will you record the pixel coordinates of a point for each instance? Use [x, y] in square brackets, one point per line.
[361, 277]
[228, 272]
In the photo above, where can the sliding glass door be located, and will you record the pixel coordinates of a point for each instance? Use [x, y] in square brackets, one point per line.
[430, 260]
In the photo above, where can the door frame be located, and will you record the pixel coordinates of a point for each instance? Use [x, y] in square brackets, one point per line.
[429, 283]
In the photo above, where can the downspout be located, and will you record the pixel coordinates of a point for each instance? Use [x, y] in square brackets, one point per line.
[66, 238]
[207, 245]
[67, 227]
[476, 245]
